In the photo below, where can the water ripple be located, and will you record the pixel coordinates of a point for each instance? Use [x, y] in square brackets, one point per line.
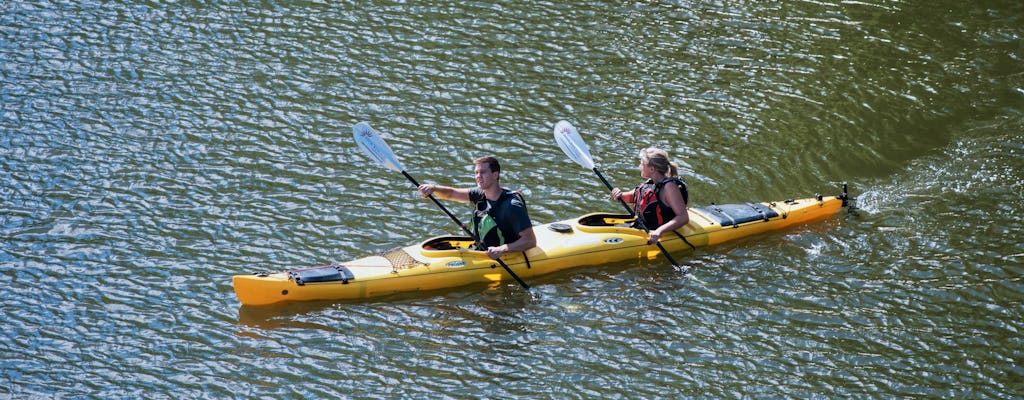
[148, 152]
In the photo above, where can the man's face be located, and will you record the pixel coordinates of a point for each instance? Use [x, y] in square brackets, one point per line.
[485, 178]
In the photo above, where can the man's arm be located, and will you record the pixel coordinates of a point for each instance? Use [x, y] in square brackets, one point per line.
[444, 192]
[527, 240]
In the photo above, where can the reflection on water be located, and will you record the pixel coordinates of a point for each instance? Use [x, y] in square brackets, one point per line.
[148, 152]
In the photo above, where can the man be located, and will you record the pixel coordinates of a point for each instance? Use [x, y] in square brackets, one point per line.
[500, 221]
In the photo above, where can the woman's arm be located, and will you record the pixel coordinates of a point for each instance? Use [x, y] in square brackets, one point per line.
[674, 199]
[618, 194]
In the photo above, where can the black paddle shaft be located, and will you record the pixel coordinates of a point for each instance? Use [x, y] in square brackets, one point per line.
[468, 232]
[610, 188]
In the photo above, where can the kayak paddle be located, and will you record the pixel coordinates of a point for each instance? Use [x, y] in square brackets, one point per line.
[572, 145]
[374, 146]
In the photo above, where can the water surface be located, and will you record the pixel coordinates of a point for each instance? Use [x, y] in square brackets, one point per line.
[149, 152]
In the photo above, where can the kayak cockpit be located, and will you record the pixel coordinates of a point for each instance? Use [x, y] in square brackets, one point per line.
[449, 243]
[601, 219]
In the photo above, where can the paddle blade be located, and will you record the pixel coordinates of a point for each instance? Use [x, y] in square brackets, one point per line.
[572, 144]
[375, 147]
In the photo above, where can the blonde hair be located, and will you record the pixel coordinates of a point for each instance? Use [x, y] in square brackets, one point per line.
[658, 159]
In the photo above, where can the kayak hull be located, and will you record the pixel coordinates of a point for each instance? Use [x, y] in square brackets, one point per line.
[590, 240]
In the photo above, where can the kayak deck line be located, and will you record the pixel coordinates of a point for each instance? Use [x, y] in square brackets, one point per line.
[588, 240]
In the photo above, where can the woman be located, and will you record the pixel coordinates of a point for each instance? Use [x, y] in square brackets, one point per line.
[658, 210]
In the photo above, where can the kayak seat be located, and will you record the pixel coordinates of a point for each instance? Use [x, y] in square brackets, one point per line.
[448, 243]
[329, 273]
[605, 219]
[735, 214]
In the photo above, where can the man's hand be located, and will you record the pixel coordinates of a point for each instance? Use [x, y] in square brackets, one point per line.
[496, 252]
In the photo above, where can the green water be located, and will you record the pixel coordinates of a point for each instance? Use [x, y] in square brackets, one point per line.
[150, 151]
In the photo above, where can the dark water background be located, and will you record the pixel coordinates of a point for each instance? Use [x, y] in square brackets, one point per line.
[151, 150]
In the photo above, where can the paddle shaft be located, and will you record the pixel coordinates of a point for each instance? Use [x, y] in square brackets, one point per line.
[468, 232]
[639, 219]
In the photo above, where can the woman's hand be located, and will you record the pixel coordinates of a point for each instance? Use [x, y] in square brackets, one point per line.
[616, 194]
[654, 236]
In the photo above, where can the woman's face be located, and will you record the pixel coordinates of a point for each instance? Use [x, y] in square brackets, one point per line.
[645, 170]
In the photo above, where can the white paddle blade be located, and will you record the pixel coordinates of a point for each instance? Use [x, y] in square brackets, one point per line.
[375, 147]
[572, 144]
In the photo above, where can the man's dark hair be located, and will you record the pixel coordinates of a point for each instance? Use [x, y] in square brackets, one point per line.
[491, 162]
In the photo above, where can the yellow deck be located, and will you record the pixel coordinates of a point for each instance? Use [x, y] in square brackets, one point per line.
[420, 267]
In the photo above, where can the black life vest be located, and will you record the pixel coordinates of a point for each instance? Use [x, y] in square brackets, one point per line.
[485, 219]
[649, 207]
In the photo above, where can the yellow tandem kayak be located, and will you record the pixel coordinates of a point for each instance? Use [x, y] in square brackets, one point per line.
[592, 239]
